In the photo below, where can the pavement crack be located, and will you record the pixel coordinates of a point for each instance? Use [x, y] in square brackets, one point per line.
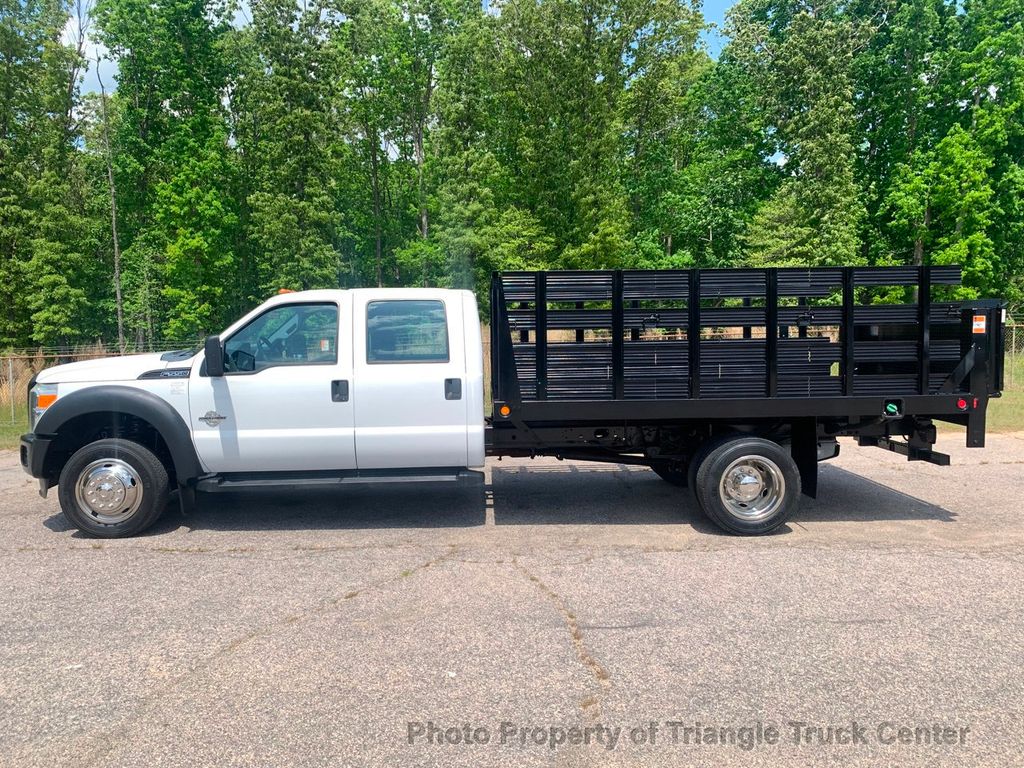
[326, 605]
[591, 705]
[855, 622]
[106, 742]
[405, 574]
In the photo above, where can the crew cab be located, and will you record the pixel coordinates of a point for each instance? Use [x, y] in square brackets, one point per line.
[387, 385]
[311, 387]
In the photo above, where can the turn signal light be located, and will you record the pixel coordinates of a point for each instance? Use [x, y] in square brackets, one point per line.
[504, 410]
[961, 404]
[41, 397]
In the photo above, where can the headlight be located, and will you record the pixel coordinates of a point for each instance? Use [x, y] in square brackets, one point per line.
[40, 397]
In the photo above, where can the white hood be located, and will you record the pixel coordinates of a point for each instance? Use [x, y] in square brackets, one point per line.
[127, 368]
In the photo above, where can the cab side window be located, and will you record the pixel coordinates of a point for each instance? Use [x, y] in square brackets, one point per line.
[293, 334]
[406, 331]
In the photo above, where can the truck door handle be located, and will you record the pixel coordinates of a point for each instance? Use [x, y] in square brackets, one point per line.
[339, 391]
[453, 389]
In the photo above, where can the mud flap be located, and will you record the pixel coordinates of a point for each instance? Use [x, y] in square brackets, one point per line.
[805, 454]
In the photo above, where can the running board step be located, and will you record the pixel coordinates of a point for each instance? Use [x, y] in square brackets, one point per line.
[270, 480]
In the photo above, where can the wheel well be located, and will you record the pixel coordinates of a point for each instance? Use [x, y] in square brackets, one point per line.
[684, 441]
[90, 427]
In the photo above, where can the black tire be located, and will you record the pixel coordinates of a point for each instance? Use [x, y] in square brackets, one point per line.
[674, 472]
[120, 473]
[702, 453]
[740, 465]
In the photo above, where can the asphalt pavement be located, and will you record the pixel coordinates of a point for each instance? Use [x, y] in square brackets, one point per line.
[564, 614]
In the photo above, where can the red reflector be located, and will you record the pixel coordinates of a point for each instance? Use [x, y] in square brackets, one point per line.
[961, 404]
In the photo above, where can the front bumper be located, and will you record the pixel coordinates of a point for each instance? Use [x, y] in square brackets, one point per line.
[33, 453]
[33, 458]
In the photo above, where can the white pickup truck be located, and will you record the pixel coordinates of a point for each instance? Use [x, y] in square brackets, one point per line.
[385, 385]
[317, 386]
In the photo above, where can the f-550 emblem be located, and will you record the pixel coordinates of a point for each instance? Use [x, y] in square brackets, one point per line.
[212, 419]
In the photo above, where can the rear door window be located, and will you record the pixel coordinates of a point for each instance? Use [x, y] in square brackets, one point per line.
[406, 331]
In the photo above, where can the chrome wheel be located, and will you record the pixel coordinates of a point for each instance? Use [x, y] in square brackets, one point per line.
[752, 488]
[109, 491]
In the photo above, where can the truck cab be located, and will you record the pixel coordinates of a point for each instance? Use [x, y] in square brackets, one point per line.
[325, 386]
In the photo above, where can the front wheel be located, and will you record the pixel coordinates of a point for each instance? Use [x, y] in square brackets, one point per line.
[113, 488]
[748, 485]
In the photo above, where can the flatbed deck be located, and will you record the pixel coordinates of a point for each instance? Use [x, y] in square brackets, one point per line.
[652, 362]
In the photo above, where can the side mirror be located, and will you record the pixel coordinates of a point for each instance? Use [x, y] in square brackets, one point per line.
[214, 356]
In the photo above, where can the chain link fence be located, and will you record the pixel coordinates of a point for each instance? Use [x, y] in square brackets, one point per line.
[17, 367]
[1014, 358]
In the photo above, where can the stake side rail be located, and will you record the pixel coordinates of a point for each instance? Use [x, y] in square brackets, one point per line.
[743, 346]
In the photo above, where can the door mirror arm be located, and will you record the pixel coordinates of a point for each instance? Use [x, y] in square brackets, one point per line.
[214, 356]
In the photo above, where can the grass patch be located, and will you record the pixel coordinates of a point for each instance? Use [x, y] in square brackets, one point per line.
[11, 431]
[1006, 414]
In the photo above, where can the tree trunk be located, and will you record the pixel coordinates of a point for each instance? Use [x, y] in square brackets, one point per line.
[421, 155]
[375, 186]
[420, 160]
[81, 15]
[919, 246]
[112, 187]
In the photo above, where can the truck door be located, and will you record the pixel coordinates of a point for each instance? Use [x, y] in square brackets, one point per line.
[410, 380]
[283, 403]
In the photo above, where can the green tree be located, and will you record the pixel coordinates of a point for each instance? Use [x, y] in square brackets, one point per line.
[172, 162]
[62, 284]
[429, 142]
[802, 55]
[988, 74]
[896, 73]
[29, 31]
[724, 172]
[660, 124]
[286, 127]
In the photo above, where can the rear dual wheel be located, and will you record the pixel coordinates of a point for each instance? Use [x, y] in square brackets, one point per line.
[746, 485]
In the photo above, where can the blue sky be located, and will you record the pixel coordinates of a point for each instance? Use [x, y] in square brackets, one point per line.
[714, 12]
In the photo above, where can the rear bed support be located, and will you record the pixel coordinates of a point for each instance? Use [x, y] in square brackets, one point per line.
[913, 453]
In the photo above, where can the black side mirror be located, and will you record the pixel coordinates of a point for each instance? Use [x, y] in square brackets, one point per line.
[214, 356]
